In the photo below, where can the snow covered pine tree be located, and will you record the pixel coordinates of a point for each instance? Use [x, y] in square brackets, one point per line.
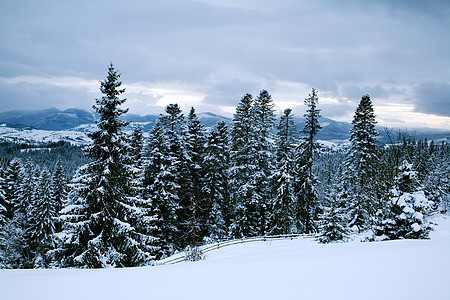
[404, 216]
[98, 222]
[360, 165]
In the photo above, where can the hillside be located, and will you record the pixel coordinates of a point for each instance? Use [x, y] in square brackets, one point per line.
[283, 269]
[70, 125]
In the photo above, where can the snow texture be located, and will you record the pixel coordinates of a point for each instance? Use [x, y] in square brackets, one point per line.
[282, 269]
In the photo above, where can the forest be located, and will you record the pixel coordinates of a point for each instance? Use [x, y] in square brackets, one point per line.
[125, 200]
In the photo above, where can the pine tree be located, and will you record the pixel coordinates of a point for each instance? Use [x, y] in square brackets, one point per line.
[282, 205]
[305, 181]
[43, 212]
[58, 186]
[197, 209]
[264, 120]
[161, 190]
[136, 153]
[361, 163]
[404, 216]
[12, 178]
[98, 231]
[242, 167]
[333, 221]
[164, 182]
[215, 186]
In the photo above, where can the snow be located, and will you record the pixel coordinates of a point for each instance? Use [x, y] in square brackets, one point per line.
[281, 269]
[42, 136]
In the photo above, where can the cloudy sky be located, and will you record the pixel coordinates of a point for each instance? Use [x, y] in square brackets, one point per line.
[209, 53]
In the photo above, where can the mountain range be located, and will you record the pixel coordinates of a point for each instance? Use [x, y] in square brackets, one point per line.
[76, 120]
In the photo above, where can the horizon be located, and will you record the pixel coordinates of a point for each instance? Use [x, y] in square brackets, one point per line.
[277, 113]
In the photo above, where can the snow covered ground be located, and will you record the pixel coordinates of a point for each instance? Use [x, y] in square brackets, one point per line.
[281, 269]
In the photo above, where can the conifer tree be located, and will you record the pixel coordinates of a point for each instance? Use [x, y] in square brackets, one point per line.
[361, 162]
[11, 184]
[405, 213]
[333, 221]
[192, 184]
[242, 167]
[98, 231]
[283, 202]
[263, 156]
[136, 153]
[215, 186]
[161, 190]
[305, 181]
[58, 186]
[164, 181]
[43, 212]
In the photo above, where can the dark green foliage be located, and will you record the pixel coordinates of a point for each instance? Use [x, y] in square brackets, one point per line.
[97, 220]
[403, 216]
[282, 210]
[361, 163]
[215, 187]
[305, 181]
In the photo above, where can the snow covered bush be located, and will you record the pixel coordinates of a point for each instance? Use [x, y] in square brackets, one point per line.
[193, 253]
[404, 216]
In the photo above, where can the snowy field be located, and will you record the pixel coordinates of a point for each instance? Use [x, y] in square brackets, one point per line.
[282, 269]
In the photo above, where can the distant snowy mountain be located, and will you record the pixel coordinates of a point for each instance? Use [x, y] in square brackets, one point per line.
[47, 119]
[72, 124]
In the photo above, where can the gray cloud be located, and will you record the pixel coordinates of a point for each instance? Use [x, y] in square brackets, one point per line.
[344, 49]
[433, 97]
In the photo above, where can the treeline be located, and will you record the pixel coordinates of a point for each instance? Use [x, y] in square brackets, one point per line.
[138, 200]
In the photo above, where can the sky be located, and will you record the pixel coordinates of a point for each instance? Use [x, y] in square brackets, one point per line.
[209, 53]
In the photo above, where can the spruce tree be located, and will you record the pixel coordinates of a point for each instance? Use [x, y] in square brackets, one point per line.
[161, 190]
[43, 212]
[305, 181]
[361, 163]
[281, 218]
[242, 167]
[215, 184]
[333, 221]
[263, 156]
[11, 185]
[59, 186]
[164, 181]
[192, 184]
[98, 231]
[405, 213]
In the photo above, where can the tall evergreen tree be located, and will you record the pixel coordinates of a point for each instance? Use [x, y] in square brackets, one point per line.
[197, 210]
[264, 121]
[11, 184]
[215, 185]
[164, 181]
[305, 181]
[161, 189]
[59, 186]
[242, 167]
[361, 163]
[98, 231]
[283, 202]
[43, 212]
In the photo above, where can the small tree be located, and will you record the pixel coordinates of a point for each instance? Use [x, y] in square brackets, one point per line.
[333, 225]
[404, 217]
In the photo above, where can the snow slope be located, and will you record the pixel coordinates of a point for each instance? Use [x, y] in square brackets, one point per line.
[281, 269]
